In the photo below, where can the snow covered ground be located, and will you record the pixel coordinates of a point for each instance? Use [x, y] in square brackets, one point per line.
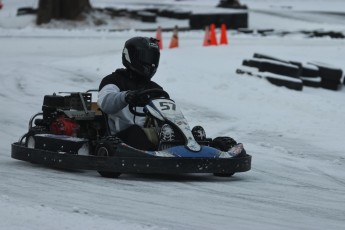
[296, 138]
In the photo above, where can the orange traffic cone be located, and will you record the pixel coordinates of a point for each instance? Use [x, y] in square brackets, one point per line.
[159, 37]
[213, 36]
[223, 35]
[207, 40]
[174, 39]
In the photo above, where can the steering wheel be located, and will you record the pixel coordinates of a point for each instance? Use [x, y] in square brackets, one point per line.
[144, 97]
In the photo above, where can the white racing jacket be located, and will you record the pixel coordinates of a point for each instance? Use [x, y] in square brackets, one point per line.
[111, 99]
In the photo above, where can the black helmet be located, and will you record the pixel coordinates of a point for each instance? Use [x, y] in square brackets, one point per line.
[141, 55]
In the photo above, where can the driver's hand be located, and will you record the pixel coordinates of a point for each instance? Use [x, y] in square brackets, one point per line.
[131, 97]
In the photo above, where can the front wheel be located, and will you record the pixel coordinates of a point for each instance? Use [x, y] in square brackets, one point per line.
[107, 149]
[223, 174]
[223, 143]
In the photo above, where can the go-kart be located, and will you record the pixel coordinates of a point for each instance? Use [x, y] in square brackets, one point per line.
[71, 132]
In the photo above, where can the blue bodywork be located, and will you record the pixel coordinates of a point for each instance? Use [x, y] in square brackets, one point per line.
[182, 151]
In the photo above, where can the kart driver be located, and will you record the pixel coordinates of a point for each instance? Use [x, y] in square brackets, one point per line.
[140, 56]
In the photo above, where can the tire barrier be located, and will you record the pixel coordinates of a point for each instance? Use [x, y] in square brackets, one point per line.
[231, 20]
[167, 13]
[26, 11]
[264, 56]
[331, 34]
[272, 66]
[283, 72]
[282, 33]
[180, 14]
[177, 14]
[308, 73]
[330, 76]
[113, 12]
[279, 81]
[146, 16]
[142, 15]
[275, 79]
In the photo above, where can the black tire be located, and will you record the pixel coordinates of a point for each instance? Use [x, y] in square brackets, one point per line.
[310, 75]
[310, 71]
[223, 174]
[329, 73]
[182, 14]
[311, 82]
[252, 63]
[223, 143]
[331, 85]
[289, 70]
[330, 76]
[26, 10]
[107, 149]
[266, 63]
[295, 85]
[265, 31]
[232, 21]
[147, 16]
[264, 56]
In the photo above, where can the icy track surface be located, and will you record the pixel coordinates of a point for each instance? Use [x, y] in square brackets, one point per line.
[296, 139]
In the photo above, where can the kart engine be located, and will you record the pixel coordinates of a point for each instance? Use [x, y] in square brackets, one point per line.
[64, 126]
[69, 115]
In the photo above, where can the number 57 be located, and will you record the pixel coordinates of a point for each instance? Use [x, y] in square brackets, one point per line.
[167, 105]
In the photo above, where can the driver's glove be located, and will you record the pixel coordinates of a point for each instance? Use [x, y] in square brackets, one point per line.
[131, 96]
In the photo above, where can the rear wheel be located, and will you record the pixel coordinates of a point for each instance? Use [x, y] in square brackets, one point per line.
[30, 136]
[107, 149]
[30, 142]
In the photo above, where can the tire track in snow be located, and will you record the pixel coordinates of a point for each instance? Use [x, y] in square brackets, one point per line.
[338, 181]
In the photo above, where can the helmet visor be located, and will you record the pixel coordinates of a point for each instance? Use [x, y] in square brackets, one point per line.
[148, 56]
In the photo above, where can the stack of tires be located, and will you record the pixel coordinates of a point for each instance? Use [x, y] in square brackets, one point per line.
[292, 74]
[146, 16]
[331, 76]
[232, 20]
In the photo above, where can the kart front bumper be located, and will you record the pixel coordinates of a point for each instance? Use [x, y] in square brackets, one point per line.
[132, 164]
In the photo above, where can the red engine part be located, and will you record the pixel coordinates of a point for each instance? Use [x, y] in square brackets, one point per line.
[64, 126]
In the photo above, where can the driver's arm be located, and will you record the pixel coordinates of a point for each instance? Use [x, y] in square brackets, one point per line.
[110, 99]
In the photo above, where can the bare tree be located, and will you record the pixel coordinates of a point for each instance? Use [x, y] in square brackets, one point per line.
[61, 9]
